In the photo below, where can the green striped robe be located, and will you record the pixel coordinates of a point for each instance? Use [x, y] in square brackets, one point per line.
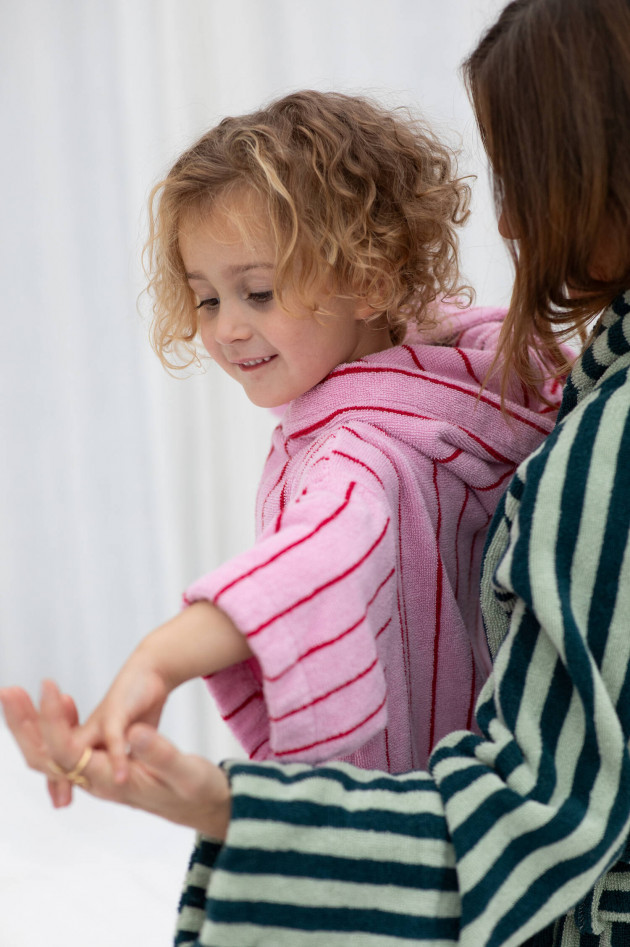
[508, 831]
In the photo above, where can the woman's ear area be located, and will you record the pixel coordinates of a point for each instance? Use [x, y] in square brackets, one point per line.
[506, 226]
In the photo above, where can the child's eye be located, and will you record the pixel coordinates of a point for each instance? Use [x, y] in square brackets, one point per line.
[264, 297]
[210, 303]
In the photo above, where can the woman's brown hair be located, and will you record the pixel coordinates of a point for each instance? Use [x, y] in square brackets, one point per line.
[358, 197]
[550, 86]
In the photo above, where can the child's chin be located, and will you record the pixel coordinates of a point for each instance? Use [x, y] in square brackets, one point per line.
[273, 404]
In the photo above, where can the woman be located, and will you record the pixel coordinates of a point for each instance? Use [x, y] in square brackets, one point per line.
[521, 832]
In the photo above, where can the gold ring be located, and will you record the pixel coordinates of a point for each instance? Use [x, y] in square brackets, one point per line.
[74, 775]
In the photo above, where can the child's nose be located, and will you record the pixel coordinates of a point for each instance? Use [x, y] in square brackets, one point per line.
[231, 324]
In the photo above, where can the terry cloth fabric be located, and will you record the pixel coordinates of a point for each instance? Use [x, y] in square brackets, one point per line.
[360, 596]
[512, 829]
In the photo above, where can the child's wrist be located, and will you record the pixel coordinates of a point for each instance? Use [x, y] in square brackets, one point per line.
[199, 641]
[154, 656]
[183, 647]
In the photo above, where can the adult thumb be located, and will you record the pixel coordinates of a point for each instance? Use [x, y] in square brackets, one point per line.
[154, 751]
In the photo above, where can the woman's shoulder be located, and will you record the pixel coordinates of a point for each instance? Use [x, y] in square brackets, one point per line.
[579, 477]
[600, 419]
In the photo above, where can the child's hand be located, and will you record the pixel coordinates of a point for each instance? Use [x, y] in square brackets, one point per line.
[137, 695]
[198, 641]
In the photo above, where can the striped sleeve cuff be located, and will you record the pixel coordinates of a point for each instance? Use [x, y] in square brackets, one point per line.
[191, 911]
[354, 857]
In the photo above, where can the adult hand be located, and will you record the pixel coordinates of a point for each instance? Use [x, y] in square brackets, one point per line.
[182, 788]
[24, 723]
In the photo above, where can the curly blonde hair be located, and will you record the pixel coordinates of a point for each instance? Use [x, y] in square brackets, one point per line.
[358, 197]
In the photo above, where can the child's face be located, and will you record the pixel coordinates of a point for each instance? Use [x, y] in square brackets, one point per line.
[276, 356]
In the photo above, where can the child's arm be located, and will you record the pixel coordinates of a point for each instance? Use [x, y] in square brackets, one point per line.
[199, 641]
[316, 598]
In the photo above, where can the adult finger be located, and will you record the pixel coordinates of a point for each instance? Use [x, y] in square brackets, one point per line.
[60, 792]
[23, 722]
[156, 752]
[17, 706]
[197, 791]
[111, 735]
[70, 710]
[57, 733]
[117, 747]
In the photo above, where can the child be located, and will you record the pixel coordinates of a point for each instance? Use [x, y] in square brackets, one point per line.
[302, 244]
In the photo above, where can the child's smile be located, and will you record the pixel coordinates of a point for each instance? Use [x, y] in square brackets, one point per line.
[246, 366]
[275, 355]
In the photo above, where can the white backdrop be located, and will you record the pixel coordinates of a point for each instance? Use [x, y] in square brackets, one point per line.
[120, 484]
